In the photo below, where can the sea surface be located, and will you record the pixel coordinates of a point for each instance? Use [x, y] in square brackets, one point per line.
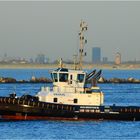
[119, 94]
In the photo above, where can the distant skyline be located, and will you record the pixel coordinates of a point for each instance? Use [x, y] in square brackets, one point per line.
[51, 28]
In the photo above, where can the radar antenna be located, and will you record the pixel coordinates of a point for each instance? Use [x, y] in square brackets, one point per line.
[83, 41]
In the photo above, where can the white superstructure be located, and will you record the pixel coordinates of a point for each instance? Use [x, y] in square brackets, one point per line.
[69, 88]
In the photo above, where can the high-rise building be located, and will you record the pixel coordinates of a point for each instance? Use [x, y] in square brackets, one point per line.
[105, 60]
[96, 55]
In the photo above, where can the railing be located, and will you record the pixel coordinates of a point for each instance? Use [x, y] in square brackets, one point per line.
[63, 90]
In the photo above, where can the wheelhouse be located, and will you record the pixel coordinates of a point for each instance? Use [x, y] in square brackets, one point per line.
[69, 77]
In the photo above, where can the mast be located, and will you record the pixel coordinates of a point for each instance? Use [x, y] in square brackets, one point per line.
[83, 41]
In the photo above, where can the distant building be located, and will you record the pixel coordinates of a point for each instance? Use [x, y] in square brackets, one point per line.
[118, 58]
[40, 59]
[5, 58]
[5, 55]
[96, 55]
[31, 60]
[105, 60]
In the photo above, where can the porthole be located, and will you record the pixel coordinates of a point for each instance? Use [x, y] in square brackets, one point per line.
[75, 100]
[55, 100]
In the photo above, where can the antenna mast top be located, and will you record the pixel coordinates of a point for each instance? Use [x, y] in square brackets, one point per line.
[60, 63]
[83, 41]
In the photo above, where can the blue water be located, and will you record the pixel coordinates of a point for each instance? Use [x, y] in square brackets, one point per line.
[24, 74]
[119, 94]
[69, 130]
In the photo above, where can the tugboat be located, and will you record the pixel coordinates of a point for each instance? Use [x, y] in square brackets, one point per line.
[71, 97]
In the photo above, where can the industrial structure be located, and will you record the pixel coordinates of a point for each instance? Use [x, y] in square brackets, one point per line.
[118, 58]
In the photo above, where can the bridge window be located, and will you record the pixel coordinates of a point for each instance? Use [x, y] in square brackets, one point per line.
[80, 78]
[63, 77]
[55, 77]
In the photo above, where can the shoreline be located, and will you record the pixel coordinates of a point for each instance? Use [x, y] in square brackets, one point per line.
[102, 80]
[85, 66]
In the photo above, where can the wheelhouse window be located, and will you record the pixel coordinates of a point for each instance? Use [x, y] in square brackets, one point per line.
[63, 77]
[55, 79]
[80, 78]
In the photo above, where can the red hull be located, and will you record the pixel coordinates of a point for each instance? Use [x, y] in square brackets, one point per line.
[13, 117]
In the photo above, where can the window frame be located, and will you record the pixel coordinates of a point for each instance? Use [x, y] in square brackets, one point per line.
[63, 77]
[79, 78]
[55, 77]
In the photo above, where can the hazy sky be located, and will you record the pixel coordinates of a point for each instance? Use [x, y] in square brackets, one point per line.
[29, 28]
